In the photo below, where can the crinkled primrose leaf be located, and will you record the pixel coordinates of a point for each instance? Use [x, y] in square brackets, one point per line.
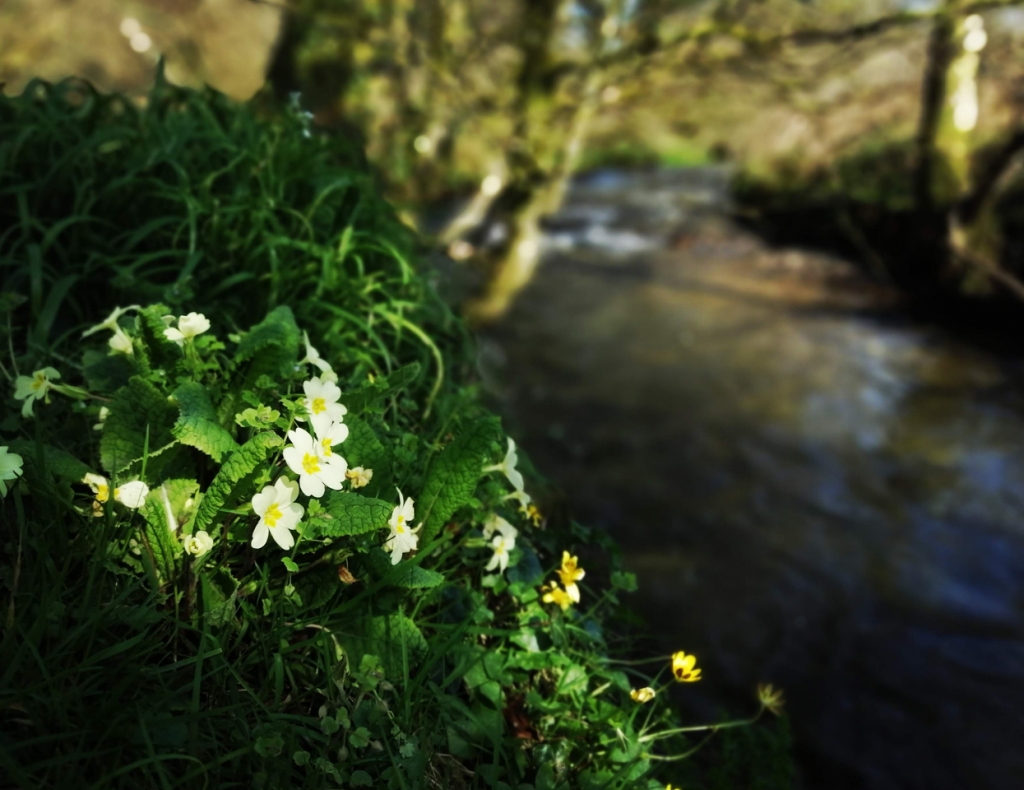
[273, 344]
[383, 387]
[346, 513]
[363, 448]
[239, 463]
[135, 408]
[197, 424]
[454, 474]
[404, 574]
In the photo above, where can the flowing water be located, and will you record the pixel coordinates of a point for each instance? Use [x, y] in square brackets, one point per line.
[813, 490]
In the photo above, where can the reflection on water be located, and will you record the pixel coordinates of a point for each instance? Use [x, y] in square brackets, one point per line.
[814, 491]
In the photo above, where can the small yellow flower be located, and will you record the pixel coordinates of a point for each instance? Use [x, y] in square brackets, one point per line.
[559, 596]
[642, 695]
[684, 667]
[570, 573]
[771, 698]
[533, 513]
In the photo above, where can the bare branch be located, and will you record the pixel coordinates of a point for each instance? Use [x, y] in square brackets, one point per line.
[1004, 162]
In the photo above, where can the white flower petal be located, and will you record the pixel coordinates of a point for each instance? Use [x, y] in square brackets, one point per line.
[312, 486]
[132, 495]
[282, 537]
[259, 535]
[287, 492]
[264, 499]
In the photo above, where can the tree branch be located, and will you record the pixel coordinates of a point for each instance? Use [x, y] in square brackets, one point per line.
[1002, 162]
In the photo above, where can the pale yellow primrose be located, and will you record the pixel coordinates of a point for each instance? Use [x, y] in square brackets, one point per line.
[403, 537]
[279, 513]
[316, 471]
[189, 327]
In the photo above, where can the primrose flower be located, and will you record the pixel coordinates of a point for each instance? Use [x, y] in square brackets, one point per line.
[570, 573]
[199, 543]
[10, 468]
[525, 501]
[557, 595]
[497, 524]
[684, 667]
[328, 435]
[132, 495]
[189, 326]
[403, 538]
[508, 467]
[316, 472]
[313, 356]
[100, 488]
[278, 512]
[35, 388]
[360, 477]
[642, 695]
[502, 545]
[120, 342]
[110, 322]
[770, 698]
[322, 401]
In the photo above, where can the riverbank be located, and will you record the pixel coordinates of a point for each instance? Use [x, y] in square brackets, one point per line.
[814, 489]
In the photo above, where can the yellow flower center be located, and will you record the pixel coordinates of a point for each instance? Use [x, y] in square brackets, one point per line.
[310, 464]
[273, 513]
[326, 444]
[400, 524]
[319, 405]
[102, 493]
[38, 381]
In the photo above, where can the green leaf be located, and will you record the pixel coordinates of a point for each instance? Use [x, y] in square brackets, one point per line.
[454, 473]
[290, 564]
[220, 592]
[276, 340]
[152, 341]
[239, 463]
[360, 778]
[166, 505]
[57, 462]
[163, 510]
[197, 424]
[363, 448]
[135, 408]
[404, 574]
[384, 387]
[346, 513]
[359, 738]
[106, 372]
[389, 635]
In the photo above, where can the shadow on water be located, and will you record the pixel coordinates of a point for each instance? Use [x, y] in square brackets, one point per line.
[814, 490]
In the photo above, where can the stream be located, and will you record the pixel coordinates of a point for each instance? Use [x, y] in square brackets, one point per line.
[814, 490]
